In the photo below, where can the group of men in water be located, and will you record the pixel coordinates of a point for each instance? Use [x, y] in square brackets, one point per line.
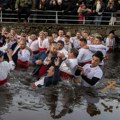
[55, 57]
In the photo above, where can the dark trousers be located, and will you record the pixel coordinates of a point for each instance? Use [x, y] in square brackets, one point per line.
[25, 11]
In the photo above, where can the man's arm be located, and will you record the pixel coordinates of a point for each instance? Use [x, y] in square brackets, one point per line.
[92, 81]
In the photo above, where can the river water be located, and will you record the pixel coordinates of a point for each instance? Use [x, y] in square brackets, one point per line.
[19, 101]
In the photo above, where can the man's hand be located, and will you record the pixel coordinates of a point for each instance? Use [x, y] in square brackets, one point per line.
[60, 55]
[81, 69]
[38, 62]
[57, 61]
[9, 54]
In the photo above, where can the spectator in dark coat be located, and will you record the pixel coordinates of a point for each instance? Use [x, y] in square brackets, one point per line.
[23, 7]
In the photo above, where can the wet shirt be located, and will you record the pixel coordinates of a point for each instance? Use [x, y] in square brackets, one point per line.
[24, 55]
[69, 66]
[5, 68]
[75, 42]
[34, 45]
[100, 47]
[49, 80]
[110, 42]
[91, 72]
[84, 55]
[59, 38]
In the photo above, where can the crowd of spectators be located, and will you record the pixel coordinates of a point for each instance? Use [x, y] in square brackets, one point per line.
[64, 5]
[82, 8]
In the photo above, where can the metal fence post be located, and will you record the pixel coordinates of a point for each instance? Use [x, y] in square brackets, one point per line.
[1, 16]
[112, 20]
[56, 17]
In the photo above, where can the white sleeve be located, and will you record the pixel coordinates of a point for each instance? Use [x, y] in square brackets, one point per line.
[45, 44]
[25, 56]
[95, 48]
[98, 74]
[68, 63]
[11, 65]
[80, 55]
[71, 40]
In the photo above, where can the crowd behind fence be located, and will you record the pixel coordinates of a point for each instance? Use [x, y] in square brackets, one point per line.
[95, 12]
[48, 16]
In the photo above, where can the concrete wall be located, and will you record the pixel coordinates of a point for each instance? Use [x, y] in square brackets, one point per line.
[29, 28]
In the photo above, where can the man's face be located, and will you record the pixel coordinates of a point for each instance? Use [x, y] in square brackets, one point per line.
[33, 37]
[50, 71]
[23, 34]
[59, 46]
[97, 41]
[50, 39]
[95, 61]
[91, 38]
[66, 39]
[82, 43]
[22, 45]
[78, 35]
[1, 58]
[11, 37]
[61, 33]
[42, 36]
[111, 35]
[70, 54]
[53, 49]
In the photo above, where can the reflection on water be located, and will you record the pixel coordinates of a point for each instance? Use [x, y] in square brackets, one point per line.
[19, 101]
[5, 100]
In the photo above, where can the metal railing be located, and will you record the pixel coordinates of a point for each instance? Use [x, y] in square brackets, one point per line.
[45, 16]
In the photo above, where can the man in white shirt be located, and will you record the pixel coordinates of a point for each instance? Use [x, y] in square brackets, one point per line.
[67, 43]
[5, 67]
[91, 73]
[68, 66]
[85, 55]
[33, 43]
[75, 41]
[23, 55]
[98, 46]
[110, 41]
[62, 52]
[41, 38]
[60, 36]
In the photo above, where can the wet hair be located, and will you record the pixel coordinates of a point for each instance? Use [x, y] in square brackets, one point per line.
[67, 36]
[113, 32]
[99, 38]
[61, 42]
[83, 40]
[74, 51]
[41, 32]
[99, 54]
[51, 52]
[1, 53]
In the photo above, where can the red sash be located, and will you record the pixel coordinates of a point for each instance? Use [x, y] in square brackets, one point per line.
[42, 71]
[65, 75]
[83, 63]
[42, 49]
[22, 64]
[3, 81]
[35, 52]
[110, 49]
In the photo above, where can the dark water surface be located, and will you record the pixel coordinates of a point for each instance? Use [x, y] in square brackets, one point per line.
[20, 102]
